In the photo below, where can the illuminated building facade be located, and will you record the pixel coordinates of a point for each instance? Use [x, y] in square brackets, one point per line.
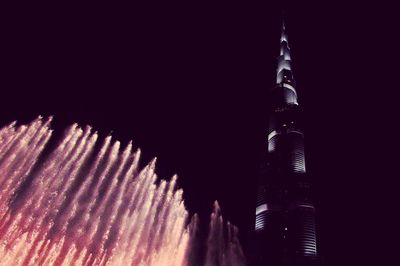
[285, 232]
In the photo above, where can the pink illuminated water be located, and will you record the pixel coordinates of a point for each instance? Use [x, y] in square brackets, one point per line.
[87, 202]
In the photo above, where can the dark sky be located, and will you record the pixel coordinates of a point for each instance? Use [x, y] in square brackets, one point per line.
[189, 84]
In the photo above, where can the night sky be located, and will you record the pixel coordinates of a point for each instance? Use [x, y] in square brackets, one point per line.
[189, 84]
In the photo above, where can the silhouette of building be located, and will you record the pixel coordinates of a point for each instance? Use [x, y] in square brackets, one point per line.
[284, 232]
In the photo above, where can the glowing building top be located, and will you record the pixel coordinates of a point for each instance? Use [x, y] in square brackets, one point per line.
[284, 75]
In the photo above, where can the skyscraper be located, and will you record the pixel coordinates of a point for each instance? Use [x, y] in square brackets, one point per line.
[284, 232]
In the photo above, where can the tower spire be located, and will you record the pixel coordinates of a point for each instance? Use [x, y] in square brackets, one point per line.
[284, 74]
[283, 33]
[283, 23]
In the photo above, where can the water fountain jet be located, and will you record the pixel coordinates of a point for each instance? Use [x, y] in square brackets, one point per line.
[90, 204]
